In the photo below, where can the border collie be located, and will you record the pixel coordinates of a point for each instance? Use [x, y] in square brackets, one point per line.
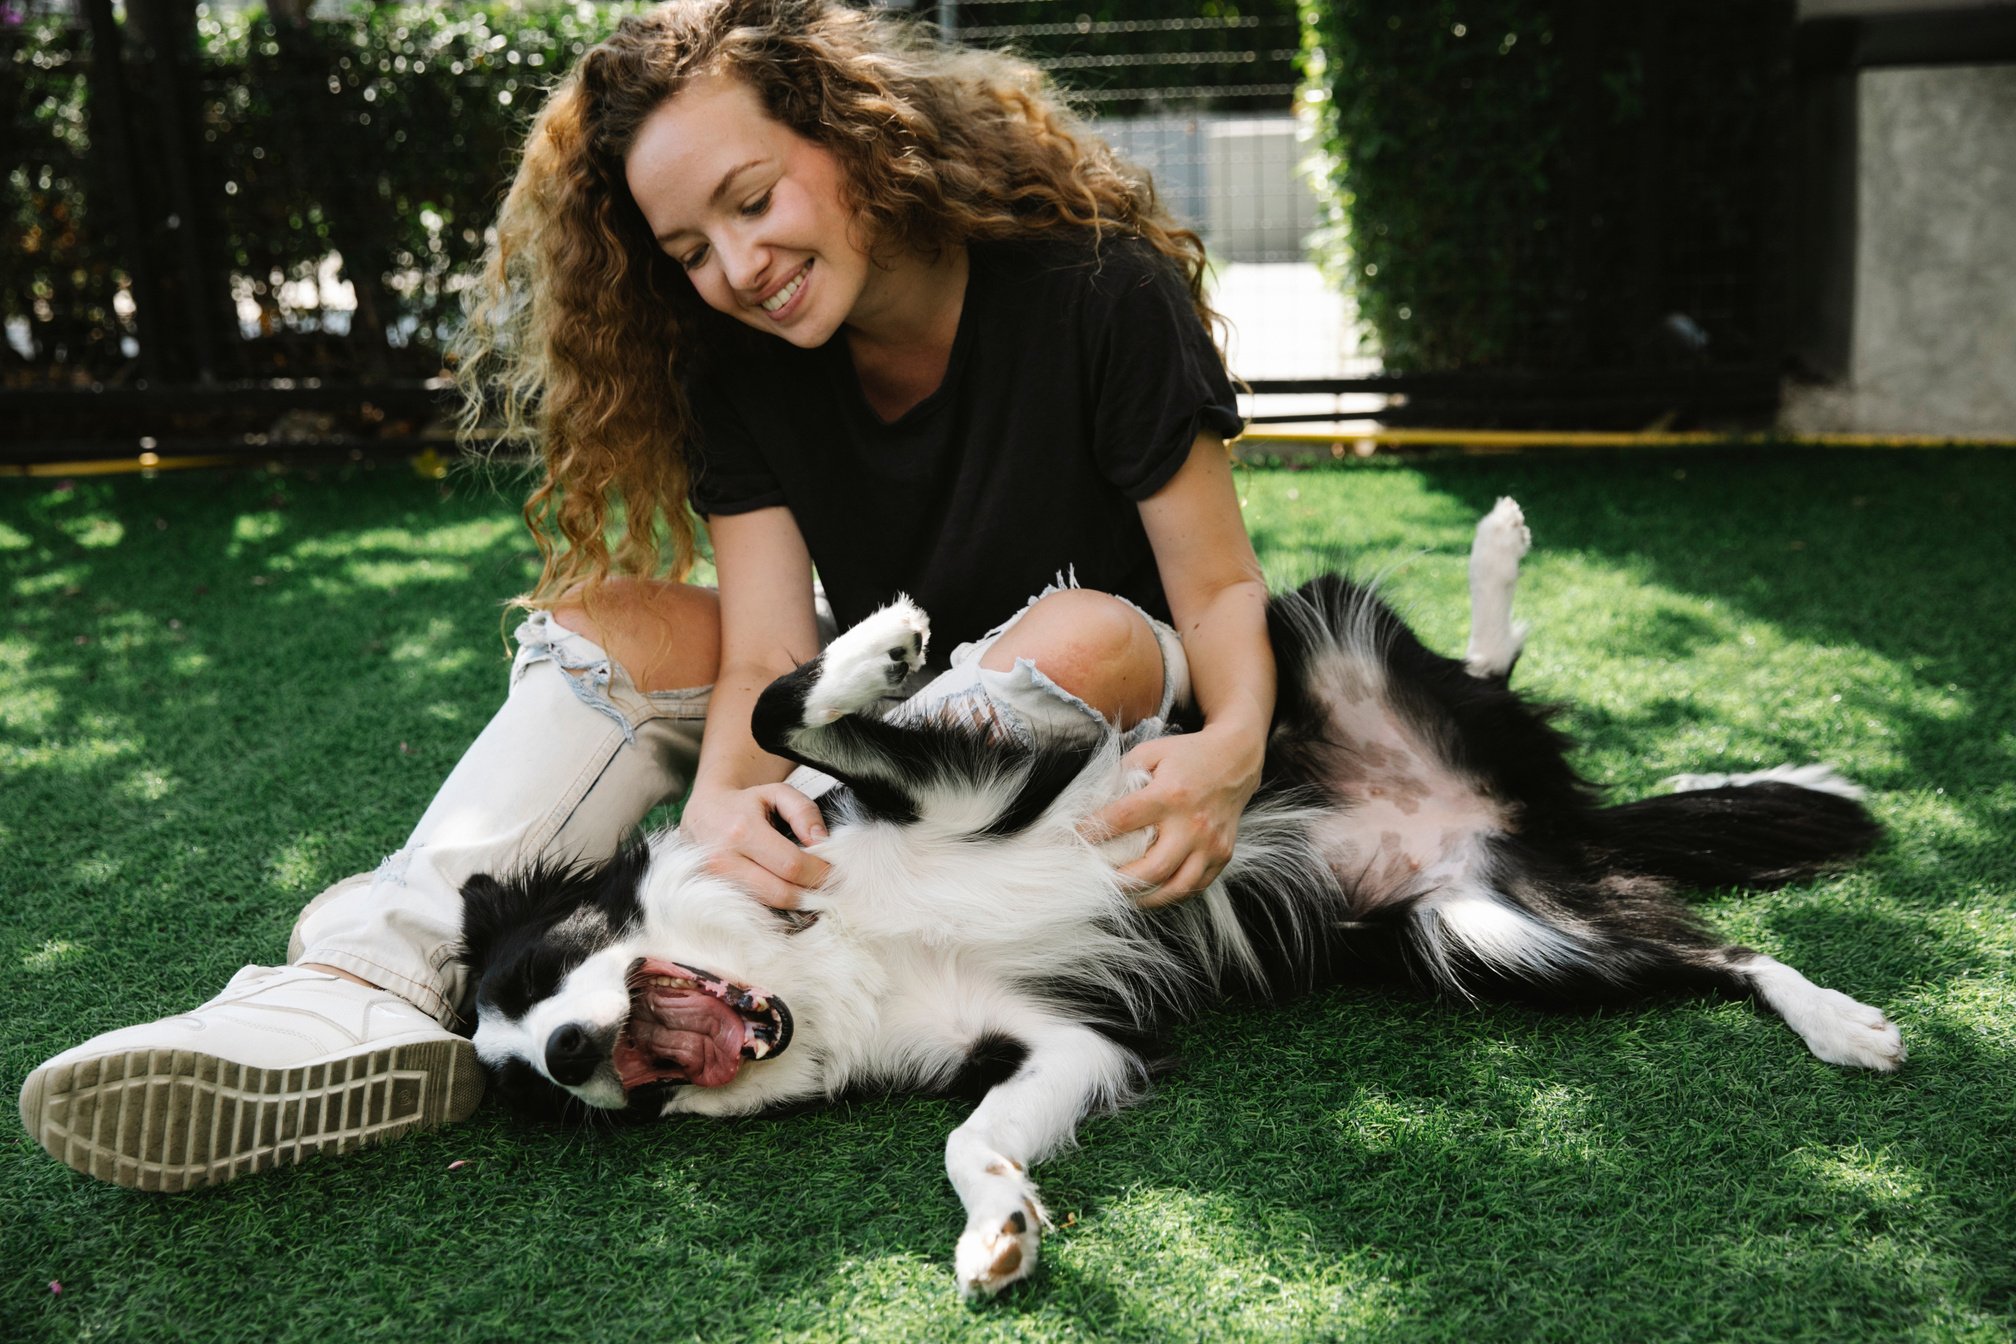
[1416, 817]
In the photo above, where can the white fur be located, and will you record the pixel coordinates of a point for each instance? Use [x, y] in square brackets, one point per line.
[1475, 919]
[1835, 1027]
[922, 942]
[1502, 541]
[1820, 778]
[869, 661]
[601, 998]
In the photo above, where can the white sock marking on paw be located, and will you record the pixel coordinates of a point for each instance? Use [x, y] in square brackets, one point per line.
[869, 662]
[1835, 1027]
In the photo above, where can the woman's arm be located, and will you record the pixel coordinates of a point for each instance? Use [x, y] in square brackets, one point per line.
[767, 628]
[1200, 781]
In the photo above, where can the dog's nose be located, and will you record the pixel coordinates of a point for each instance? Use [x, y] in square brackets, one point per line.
[572, 1054]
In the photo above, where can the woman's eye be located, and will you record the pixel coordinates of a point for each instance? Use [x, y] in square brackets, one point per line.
[691, 261]
[757, 206]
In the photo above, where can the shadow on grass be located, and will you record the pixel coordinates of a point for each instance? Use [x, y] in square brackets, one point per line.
[1906, 555]
[229, 691]
[1365, 1164]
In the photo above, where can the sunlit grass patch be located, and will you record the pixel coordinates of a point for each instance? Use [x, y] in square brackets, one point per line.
[204, 724]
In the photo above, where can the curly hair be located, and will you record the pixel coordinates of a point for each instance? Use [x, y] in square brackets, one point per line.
[579, 323]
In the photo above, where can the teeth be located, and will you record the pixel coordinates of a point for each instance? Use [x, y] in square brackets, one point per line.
[786, 294]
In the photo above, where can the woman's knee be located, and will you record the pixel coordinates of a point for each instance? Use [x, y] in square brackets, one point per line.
[666, 636]
[1094, 645]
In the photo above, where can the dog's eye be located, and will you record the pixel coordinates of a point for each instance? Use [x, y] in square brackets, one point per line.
[514, 986]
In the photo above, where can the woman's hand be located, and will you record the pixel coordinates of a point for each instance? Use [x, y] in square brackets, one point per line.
[1199, 784]
[748, 850]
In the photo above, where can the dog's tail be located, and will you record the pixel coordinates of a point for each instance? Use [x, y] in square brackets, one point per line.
[1756, 830]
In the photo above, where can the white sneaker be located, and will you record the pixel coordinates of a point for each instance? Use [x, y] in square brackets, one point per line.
[284, 1064]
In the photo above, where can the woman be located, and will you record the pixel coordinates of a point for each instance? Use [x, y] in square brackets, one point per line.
[879, 306]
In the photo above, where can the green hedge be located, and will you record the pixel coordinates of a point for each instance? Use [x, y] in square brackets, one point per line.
[56, 271]
[1551, 184]
[384, 132]
[390, 130]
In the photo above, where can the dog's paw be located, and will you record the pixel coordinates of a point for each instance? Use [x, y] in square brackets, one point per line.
[1495, 639]
[869, 662]
[1502, 541]
[1835, 1027]
[1846, 1031]
[999, 1248]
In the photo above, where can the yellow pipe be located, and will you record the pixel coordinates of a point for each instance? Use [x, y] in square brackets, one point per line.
[1601, 438]
[114, 466]
[1477, 439]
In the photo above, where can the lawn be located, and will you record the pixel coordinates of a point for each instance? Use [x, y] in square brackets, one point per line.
[219, 693]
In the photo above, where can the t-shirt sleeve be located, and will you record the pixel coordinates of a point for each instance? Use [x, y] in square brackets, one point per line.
[727, 470]
[1160, 379]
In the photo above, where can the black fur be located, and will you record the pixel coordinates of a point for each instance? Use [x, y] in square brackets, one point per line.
[522, 934]
[1604, 882]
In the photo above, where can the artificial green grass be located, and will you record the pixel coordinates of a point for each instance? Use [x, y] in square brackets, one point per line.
[219, 693]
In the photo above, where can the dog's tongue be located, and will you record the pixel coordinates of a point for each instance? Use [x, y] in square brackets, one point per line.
[681, 1033]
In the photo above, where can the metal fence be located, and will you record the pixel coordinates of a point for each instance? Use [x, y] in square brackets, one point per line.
[232, 233]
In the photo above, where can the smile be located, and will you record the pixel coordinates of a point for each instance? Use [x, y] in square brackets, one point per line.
[777, 301]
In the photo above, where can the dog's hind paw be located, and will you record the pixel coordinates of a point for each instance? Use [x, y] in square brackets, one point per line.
[869, 662]
[1502, 540]
[997, 1250]
[1841, 1030]
[1495, 639]
[1835, 1027]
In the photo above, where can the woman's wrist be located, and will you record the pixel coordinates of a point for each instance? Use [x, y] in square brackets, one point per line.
[1241, 736]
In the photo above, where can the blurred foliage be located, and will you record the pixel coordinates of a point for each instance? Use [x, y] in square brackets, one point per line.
[1538, 185]
[390, 130]
[381, 132]
[58, 272]
[384, 133]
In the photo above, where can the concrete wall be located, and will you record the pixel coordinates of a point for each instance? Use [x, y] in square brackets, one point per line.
[1934, 326]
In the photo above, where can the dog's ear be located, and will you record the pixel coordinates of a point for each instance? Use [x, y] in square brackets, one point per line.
[489, 909]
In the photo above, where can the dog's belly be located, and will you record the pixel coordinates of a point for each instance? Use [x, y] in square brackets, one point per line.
[1406, 822]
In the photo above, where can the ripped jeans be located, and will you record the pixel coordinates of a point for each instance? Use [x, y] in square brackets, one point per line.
[571, 764]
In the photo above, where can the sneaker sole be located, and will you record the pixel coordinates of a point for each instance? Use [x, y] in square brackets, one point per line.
[175, 1120]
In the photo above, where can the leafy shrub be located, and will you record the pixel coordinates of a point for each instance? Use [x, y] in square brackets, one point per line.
[385, 132]
[1551, 184]
[57, 275]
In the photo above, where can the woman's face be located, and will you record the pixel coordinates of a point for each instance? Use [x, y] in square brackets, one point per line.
[751, 210]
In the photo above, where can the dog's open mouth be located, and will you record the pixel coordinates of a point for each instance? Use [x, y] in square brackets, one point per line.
[691, 1026]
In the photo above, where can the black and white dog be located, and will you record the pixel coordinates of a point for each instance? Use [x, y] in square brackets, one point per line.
[1417, 816]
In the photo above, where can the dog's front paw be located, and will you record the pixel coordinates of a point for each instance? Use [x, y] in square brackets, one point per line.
[999, 1248]
[869, 662]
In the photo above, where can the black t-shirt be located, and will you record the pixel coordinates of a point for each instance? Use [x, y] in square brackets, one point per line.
[1078, 381]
